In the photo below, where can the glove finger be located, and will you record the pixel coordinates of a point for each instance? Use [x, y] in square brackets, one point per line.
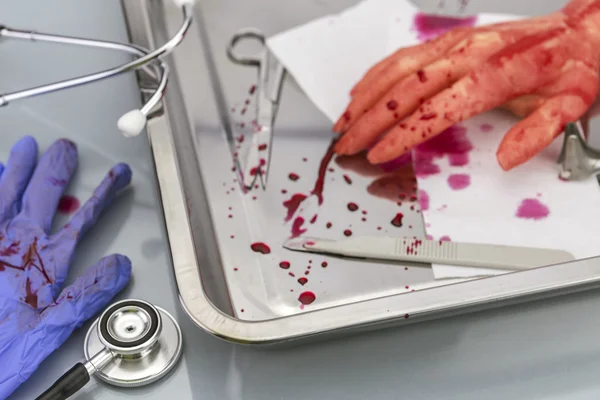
[88, 295]
[1, 168]
[52, 175]
[15, 177]
[117, 179]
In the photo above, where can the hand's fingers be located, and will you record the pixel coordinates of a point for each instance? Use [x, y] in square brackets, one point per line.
[15, 177]
[471, 46]
[404, 62]
[86, 297]
[52, 175]
[1, 168]
[533, 134]
[117, 179]
[406, 96]
[524, 105]
[519, 68]
[402, 99]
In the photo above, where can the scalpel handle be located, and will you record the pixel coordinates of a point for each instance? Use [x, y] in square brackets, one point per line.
[477, 255]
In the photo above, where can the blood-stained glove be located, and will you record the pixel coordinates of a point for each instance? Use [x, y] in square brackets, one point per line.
[544, 69]
[36, 316]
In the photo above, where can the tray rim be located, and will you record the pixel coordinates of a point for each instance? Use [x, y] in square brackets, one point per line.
[400, 309]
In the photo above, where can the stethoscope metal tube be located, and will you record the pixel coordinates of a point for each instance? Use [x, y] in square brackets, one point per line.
[140, 342]
[133, 122]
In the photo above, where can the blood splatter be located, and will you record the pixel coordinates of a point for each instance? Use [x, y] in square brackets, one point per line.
[485, 128]
[284, 265]
[313, 219]
[30, 296]
[292, 204]
[68, 204]
[392, 105]
[57, 182]
[429, 26]
[348, 180]
[453, 142]
[307, 298]
[252, 89]
[324, 264]
[302, 281]
[262, 147]
[348, 232]
[297, 229]
[293, 176]
[459, 181]
[10, 250]
[423, 200]
[421, 75]
[532, 209]
[260, 247]
[397, 221]
[329, 225]
[352, 206]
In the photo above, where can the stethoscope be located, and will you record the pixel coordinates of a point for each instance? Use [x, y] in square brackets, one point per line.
[132, 343]
[133, 122]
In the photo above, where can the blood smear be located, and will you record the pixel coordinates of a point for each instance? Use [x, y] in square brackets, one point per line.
[68, 204]
[532, 209]
[459, 181]
[429, 26]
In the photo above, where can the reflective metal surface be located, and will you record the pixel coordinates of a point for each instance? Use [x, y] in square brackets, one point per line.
[192, 135]
[138, 369]
[578, 159]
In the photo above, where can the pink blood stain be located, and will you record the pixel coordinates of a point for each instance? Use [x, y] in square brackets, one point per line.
[428, 26]
[423, 200]
[459, 181]
[452, 142]
[397, 163]
[68, 204]
[307, 298]
[445, 238]
[532, 209]
[485, 128]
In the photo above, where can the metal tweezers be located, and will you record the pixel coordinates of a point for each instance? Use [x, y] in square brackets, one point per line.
[256, 168]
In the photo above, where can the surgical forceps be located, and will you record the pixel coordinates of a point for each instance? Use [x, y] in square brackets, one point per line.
[268, 89]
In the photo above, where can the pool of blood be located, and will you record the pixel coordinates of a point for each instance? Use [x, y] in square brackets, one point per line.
[307, 298]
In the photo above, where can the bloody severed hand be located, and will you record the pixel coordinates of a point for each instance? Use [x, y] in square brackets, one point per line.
[544, 69]
[36, 314]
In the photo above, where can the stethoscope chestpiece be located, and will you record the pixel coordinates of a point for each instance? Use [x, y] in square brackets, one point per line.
[130, 327]
[145, 342]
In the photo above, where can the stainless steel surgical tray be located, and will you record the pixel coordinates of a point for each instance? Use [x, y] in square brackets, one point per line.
[261, 297]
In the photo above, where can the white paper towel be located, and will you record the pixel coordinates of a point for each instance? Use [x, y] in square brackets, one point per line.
[477, 202]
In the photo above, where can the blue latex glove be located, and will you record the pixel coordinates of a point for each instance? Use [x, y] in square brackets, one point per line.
[36, 317]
